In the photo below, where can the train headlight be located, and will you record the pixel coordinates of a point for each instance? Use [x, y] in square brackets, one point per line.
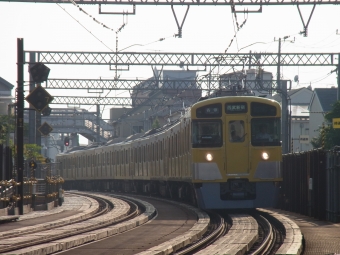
[209, 157]
[265, 155]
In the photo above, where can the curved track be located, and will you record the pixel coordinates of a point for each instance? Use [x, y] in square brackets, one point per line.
[90, 220]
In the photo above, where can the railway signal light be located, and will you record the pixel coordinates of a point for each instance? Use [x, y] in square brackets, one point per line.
[39, 72]
[46, 111]
[33, 164]
[66, 141]
[39, 98]
[45, 129]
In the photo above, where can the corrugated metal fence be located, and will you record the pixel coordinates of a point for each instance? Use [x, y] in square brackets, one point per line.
[311, 184]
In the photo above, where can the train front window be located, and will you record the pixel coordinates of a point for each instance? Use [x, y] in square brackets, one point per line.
[265, 132]
[206, 133]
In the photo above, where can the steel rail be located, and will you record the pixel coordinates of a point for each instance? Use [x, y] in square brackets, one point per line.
[267, 242]
[30, 243]
[208, 239]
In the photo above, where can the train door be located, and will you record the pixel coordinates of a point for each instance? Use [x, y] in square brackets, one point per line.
[237, 143]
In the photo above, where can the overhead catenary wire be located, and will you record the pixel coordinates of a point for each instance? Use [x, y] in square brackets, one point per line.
[107, 27]
[85, 28]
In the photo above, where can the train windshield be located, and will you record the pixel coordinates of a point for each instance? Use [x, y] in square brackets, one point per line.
[266, 132]
[207, 133]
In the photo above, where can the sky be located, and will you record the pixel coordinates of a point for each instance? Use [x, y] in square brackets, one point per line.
[207, 29]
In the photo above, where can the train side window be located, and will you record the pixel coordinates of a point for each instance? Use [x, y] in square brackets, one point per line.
[176, 145]
[236, 131]
[158, 150]
[135, 155]
[147, 156]
[172, 147]
[139, 156]
[153, 152]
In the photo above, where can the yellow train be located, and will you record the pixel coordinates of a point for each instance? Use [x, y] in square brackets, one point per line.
[223, 152]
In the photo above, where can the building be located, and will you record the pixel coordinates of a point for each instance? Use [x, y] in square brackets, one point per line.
[252, 81]
[173, 89]
[298, 104]
[321, 103]
[6, 97]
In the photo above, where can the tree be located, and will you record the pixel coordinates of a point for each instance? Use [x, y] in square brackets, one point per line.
[6, 127]
[331, 136]
[155, 123]
[31, 151]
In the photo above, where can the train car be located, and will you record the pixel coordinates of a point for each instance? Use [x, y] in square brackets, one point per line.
[221, 153]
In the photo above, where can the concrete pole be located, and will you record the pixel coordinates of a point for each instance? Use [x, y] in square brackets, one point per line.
[338, 78]
[284, 105]
[20, 122]
[32, 127]
[98, 123]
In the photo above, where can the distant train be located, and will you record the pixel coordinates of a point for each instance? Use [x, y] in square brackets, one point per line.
[222, 153]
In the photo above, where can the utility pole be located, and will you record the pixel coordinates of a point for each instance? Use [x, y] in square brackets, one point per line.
[32, 115]
[284, 105]
[338, 77]
[98, 123]
[20, 122]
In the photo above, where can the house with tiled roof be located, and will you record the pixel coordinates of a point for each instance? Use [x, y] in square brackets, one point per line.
[320, 104]
[298, 103]
[6, 97]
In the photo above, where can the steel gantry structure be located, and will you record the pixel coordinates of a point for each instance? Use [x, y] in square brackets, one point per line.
[184, 59]
[185, 2]
[170, 59]
[99, 85]
[176, 59]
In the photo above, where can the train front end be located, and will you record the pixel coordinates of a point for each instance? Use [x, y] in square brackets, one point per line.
[236, 152]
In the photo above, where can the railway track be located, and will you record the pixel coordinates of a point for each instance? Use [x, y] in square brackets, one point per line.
[264, 237]
[253, 233]
[99, 218]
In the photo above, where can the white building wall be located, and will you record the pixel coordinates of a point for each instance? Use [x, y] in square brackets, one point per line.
[299, 127]
[301, 97]
[316, 119]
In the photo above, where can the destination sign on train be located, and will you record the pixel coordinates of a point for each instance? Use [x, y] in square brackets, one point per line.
[209, 111]
[236, 107]
[212, 110]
